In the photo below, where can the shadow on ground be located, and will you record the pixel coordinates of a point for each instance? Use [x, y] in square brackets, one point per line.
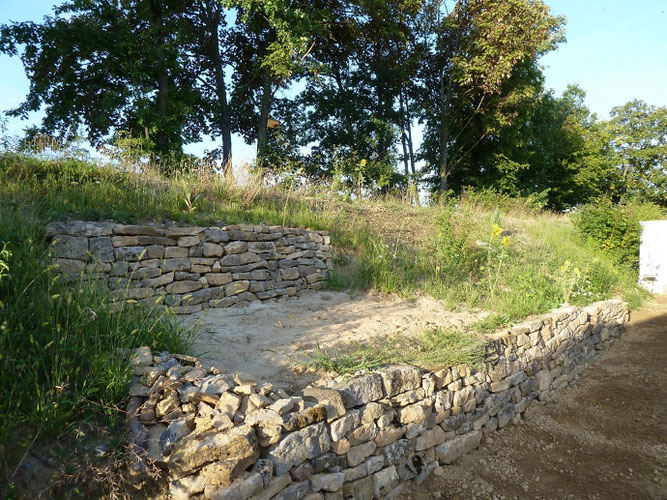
[605, 437]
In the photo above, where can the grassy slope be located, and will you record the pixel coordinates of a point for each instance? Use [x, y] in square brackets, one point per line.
[446, 251]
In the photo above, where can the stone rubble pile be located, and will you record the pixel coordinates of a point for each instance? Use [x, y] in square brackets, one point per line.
[231, 436]
[191, 268]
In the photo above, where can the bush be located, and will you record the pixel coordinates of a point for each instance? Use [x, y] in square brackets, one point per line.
[615, 228]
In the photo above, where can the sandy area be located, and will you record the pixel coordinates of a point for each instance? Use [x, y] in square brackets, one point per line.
[270, 340]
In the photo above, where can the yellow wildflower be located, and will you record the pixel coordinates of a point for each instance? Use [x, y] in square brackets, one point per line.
[577, 272]
[506, 241]
[496, 230]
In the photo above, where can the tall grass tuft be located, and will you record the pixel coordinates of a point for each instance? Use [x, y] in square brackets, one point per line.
[59, 343]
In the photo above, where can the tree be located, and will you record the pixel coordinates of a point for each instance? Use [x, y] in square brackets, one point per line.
[205, 38]
[109, 66]
[638, 141]
[474, 50]
[270, 49]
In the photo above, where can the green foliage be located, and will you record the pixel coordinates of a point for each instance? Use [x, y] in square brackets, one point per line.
[638, 142]
[459, 264]
[615, 228]
[58, 343]
[432, 350]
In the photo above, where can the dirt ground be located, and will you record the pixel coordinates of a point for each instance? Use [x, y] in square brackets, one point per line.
[605, 437]
[270, 340]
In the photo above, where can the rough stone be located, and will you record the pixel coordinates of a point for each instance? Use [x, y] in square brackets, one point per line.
[298, 446]
[460, 445]
[232, 451]
[238, 490]
[361, 489]
[70, 247]
[331, 399]
[400, 378]
[384, 481]
[361, 390]
[358, 454]
[327, 482]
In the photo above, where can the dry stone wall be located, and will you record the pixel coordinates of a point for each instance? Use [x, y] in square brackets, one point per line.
[231, 436]
[191, 268]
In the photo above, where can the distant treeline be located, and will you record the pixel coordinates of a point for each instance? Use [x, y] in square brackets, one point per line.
[351, 85]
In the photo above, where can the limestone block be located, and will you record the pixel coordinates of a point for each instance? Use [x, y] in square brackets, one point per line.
[457, 447]
[212, 250]
[327, 482]
[177, 232]
[342, 426]
[236, 288]
[365, 432]
[66, 266]
[275, 486]
[79, 228]
[329, 398]
[218, 279]
[361, 489]
[361, 390]
[136, 230]
[70, 247]
[400, 378]
[389, 435]
[177, 264]
[175, 252]
[101, 249]
[359, 453]
[183, 286]
[235, 247]
[216, 235]
[384, 481]
[188, 241]
[505, 414]
[430, 438]
[232, 451]
[296, 447]
[240, 489]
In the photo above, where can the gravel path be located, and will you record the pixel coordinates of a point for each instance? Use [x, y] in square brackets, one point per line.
[605, 437]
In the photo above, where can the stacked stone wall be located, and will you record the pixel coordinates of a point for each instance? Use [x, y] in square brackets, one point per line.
[225, 435]
[191, 268]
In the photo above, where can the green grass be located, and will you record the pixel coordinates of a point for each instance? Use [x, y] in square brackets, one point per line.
[57, 345]
[71, 187]
[463, 265]
[434, 349]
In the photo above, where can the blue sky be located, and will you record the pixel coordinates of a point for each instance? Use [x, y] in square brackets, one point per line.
[615, 50]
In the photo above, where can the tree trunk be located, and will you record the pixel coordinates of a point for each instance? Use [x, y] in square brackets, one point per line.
[224, 119]
[161, 139]
[403, 134]
[411, 149]
[265, 108]
[343, 99]
[444, 131]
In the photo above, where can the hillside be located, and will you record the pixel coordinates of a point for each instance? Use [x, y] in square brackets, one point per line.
[481, 251]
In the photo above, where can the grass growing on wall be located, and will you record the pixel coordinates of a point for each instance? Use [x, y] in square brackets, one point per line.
[432, 350]
[71, 187]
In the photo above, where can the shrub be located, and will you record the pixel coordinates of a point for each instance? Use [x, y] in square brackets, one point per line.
[615, 228]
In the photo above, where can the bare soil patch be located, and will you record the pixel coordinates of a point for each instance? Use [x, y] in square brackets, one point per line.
[272, 340]
[605, 437]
